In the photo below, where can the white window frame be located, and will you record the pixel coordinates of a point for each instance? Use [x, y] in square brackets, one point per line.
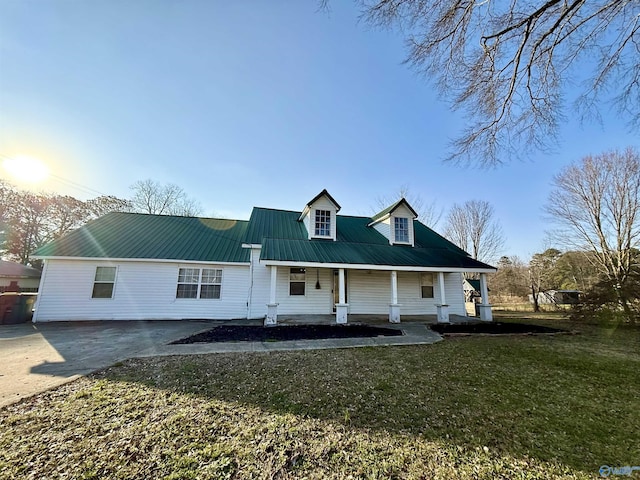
[395, 230]
[104, 282]
[297, 280]
[196, 277]
[429, 283]
[322, 223]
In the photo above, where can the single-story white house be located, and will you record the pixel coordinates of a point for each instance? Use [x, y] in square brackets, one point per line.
[129, 266]
[15, 277]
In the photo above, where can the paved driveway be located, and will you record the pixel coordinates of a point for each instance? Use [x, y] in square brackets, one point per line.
[36, 357]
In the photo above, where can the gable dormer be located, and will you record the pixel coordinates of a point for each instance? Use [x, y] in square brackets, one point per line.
[319, 216]
[396, 223]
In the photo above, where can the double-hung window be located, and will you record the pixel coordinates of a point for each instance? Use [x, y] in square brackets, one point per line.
[199, 283]
[401, 229]
[211, 283]
[103, 282]
[426, 285]
[323, 223]
[297, 281]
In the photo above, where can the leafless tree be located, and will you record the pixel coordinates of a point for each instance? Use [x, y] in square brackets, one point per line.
[542, 275]
[595, 204]
[473, 228]
[428, 213]
[510, 65]
[151, 197]
[104, 204]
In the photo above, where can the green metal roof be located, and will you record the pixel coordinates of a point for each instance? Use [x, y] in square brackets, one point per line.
[475, 284]
[141, 236]
[282, 235]
[267, 222]
[284, 238]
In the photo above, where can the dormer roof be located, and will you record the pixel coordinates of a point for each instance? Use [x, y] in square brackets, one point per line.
[314, 199]
[387, 212]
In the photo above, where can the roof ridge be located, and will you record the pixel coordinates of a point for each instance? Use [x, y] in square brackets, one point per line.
[278, 210]
[175, 216]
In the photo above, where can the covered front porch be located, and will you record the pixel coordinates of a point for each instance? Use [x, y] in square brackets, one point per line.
[312, 293]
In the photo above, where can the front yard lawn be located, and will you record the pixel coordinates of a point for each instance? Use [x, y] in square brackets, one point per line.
[469, 407]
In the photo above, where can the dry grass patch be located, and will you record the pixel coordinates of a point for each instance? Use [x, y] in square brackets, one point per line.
[524, 407]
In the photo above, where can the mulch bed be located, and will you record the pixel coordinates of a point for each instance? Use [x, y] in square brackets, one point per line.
[491, 328]
[231, 333]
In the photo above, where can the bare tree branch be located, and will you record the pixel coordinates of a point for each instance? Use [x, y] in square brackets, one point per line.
[507, 65]
[151, 197]
[473, 228]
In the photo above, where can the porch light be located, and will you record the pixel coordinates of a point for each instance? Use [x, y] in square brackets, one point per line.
[317, 279]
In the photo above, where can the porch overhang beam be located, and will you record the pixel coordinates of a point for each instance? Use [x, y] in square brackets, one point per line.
[386, 268]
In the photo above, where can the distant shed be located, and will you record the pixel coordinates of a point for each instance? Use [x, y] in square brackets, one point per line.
[558, 297]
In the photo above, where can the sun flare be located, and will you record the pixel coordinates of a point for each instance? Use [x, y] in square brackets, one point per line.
[26, 169]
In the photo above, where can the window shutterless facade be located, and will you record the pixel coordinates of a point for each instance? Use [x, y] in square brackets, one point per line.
[297, 281]
[426, 285]
[199, 283]
[322, 223]
[103, 282]
[401, 229]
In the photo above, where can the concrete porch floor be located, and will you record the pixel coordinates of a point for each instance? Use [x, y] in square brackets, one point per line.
[367, 319]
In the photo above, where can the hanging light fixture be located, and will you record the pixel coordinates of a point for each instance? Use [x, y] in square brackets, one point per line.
[317, 279]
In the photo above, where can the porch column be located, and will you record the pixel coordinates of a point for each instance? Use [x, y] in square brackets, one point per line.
[485, 306]
[394, 307]
[272, 306]
[443, 308]
[341, 306]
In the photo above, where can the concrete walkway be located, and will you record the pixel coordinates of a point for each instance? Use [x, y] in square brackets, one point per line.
[414, 334]
[37, 357]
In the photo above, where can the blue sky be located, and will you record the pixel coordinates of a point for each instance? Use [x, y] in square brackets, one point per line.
[250, 103]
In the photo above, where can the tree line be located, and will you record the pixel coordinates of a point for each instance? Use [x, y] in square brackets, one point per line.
[28, 220]
[594, 209]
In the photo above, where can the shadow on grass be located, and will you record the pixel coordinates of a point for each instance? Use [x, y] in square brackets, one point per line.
[570, 399]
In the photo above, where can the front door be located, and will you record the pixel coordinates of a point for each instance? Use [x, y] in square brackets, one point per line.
[336, 289]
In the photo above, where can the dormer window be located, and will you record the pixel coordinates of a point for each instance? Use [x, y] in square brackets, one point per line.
[320, 217]
[323, 223]
[396, 223]
[401, 229]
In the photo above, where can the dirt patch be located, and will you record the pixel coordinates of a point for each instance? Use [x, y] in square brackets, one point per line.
[492, 328]
[233, 333]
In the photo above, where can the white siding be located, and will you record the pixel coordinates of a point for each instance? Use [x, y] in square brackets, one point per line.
[143, 290]
[384, 228]
[314, 301]
[260, 285]
[402, 211]
[454, 293]
[370, 292]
